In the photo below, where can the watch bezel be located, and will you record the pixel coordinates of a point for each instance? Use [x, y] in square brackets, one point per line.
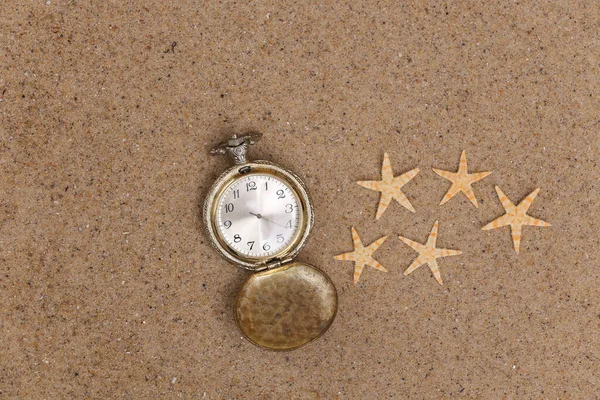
[305, 210]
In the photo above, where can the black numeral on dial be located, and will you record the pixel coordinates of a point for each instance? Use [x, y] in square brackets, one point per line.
[280, 194]
[266, 247]
[229, 207]
[250, 186]
[280, 238]
[250, 244]
[237, 238]
[227, 224]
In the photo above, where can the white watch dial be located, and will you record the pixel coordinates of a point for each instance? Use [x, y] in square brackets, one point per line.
[258, 215]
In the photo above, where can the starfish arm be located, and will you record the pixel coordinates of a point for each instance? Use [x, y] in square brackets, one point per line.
[373, 263]
[498, 222]
[528, 220]
[415, 245]
[432, 239]
[506, 203]
[454, 189]
[468, 191]
[515, 231]
[373, 246]
[387, 174]
[405, 177]
[414, 265]
[358, 268]
[477, 176]
[446, 253]
[403, 200]
[435, 270]
[451, 176]
[384, 202]
[350, 256]
[356, 239]
[526, 203]
[462, 166]
[373, 185]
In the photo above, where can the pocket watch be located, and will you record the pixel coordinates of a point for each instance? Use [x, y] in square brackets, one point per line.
[258, 216]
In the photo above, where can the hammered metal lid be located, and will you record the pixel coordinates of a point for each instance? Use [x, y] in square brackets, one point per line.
[286, 307]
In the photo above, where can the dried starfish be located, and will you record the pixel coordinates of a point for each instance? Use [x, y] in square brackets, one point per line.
[428, 254]
[516, 216]
[461, 180]
[362, 255]
[390, 186]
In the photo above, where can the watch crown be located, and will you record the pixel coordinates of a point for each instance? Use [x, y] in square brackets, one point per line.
[237, 147]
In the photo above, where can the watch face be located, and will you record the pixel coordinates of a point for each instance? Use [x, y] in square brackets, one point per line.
[258, 215]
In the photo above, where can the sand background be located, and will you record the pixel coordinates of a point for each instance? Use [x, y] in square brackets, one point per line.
[109, 287]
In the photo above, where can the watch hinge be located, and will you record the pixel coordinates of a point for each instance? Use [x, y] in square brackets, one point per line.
[276, 263]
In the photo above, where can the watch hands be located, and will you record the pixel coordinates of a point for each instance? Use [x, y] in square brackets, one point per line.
[273, 222]
[259, 216]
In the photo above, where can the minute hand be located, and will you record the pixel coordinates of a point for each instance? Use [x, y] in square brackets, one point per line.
[260, 216]
[273, 222]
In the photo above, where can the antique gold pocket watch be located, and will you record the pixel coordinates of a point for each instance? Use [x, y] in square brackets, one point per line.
[258, 216]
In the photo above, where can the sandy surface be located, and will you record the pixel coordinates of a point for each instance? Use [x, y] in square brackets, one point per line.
[110, 289]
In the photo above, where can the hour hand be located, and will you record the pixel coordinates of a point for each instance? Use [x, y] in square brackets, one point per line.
[257, 215]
